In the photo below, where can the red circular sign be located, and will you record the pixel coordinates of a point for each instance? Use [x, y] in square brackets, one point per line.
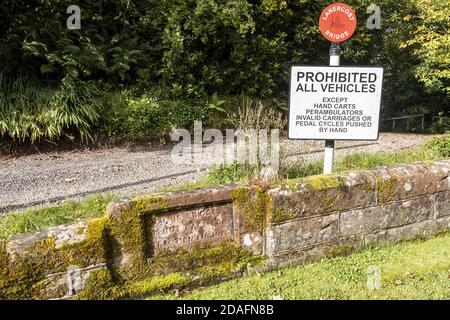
[337, 22]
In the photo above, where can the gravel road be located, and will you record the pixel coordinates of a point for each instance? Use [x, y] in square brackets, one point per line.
[41, 179]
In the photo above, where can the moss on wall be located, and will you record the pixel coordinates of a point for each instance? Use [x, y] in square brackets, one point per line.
[158, 284]
[101, 286]
[128, 228]
[324, 181]
[341, 250]
[280, 215]
[18, 278]
[255, 210]
[21, 275]
[386, 189]
[317, 182]
[169, 270]
[142, 274]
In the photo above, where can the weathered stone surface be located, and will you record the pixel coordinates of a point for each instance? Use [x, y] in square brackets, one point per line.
[411, 180]
[188, 228]
[361, 221]
[177, 200]
[374, 219]
[403, 213]
[422, 229]
[441, 225]
[253, 241]
[307, 197]
[220, 194]
[302, 233]
[341, 246]
[442, 201]
[65, 285]
[63, 235]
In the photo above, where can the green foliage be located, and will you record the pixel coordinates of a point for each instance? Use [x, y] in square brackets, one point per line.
[300, 169]
[231, 173]
[257, 115]
[441, 124]
[360, 161]
[145, 116]
[30, 112]
[35, 40]
[221, 174]
[188, 47]
[15, 223]
[434, 149]
[431, 43]
[174, 55]
[441, 145]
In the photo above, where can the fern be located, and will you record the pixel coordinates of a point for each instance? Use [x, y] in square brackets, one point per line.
[30, 112]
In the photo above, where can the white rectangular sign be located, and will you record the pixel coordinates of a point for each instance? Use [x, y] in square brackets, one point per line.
[335, 103]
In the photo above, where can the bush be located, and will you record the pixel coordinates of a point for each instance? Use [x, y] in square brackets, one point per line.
[30, 112]
[183, 113]
[441, 145]
[185, 49]
[441, 124]
[145, 116]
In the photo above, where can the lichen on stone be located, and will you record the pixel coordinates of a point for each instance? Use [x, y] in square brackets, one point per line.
[324, 181]
[386, 189]
[255, 209]
[341, 250]
[141, 273]
[173, 269]
[22, 275]
[280, 215]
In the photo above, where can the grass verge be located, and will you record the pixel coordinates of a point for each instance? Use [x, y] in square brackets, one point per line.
[39, 219]
[435, 148]
[409, 270]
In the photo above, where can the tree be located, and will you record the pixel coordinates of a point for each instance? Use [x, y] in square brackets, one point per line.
[431, 43]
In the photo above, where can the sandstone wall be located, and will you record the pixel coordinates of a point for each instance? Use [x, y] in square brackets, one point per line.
[204, 235]
[324, 216]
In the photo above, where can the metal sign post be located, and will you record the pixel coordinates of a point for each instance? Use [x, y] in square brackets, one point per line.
[335, 59]
[337, 24]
